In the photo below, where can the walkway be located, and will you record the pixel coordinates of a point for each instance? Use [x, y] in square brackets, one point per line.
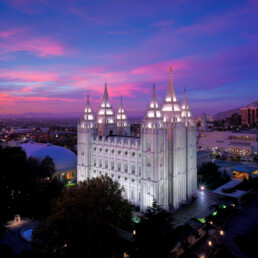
[198, 209]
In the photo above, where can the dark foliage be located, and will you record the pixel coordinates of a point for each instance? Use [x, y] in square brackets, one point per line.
[208, 174]
[154, 233]
[84, 220]
[20, 184]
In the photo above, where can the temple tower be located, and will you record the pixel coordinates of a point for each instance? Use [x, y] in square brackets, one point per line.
[106, 116]
[123, 128]
[86, 128]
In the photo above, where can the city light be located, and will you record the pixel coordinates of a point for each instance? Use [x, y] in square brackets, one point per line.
[202, 188]
[209, 243]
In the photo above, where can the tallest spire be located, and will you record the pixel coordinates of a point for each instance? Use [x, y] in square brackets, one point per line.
[171, 96]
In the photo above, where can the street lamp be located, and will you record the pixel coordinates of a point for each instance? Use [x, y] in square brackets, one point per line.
[202, 188]
[134, 232]
[221, 232]
[209, 243]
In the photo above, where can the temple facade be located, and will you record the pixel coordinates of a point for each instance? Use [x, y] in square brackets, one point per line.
[160, 165]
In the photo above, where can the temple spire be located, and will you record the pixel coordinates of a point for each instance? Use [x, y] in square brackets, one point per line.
[87, 118]
[88, 102]
[153, 116]
[105, 99]
[186, 112]
[154, 102]
[171, 96]
[121, 103]
[185, 106]
[122, 120]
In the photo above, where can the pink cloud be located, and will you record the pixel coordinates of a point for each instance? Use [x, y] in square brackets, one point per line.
[27, 76]
[8, 33]
[157, 70]
[43, 47]
[10, 98]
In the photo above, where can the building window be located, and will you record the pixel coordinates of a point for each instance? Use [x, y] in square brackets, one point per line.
[133, 169]
[126, 167]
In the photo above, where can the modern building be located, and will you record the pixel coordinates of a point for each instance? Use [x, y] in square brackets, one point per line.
[64, 159]
[249, 115]
[203, 123]
[234, 121]
[203, 157]
[243, 143]
[160, 165]
[244, 171]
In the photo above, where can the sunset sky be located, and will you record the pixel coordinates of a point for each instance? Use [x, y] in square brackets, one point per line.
[53, 53]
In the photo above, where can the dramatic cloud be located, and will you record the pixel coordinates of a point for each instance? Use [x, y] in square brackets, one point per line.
[57, 52]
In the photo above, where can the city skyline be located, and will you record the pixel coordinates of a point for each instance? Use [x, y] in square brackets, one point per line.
[52, 55]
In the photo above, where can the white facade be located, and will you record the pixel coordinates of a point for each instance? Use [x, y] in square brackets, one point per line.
[160, 165]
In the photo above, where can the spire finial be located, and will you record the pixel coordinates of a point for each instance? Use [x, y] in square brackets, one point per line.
[170, 70]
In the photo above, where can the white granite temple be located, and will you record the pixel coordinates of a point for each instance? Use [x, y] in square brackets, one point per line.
[159, 165]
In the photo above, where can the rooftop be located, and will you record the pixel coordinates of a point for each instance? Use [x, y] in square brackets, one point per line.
[230, 184]
[245, 168]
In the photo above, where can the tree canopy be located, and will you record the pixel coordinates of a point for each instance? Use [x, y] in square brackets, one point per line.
[209, 175]
[153, 236]
[84, 220]
[20, 182]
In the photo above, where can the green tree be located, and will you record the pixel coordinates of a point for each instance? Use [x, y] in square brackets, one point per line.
[154, 233]
[84, 220]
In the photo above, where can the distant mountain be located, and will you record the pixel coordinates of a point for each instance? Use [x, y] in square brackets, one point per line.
[223, 115]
